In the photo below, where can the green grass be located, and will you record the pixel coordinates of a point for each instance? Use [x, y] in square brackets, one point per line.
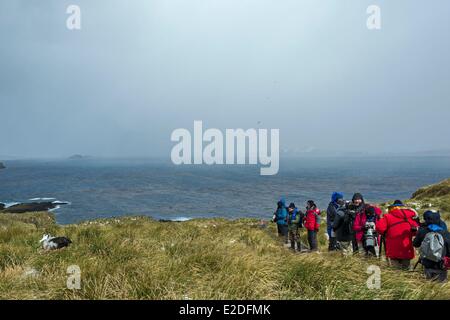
[139, 258]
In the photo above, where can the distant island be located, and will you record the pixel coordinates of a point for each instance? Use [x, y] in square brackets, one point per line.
[77, 157]
[2, 166]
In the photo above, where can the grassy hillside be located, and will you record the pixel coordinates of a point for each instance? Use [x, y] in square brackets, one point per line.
[436, 196]
[139, 258]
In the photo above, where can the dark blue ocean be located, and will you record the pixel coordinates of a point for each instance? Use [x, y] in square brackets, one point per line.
[105, 188]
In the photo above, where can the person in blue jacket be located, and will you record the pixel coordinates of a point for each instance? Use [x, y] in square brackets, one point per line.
[433, 223]
[336, 200]
[280, 217]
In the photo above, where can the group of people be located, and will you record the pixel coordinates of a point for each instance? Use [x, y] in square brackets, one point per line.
[356, 226]
[290, 220]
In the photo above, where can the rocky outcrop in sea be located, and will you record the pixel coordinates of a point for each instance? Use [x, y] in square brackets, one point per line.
[31, 207]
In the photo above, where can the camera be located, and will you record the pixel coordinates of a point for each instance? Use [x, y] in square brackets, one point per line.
[370, 237]
[350, 206]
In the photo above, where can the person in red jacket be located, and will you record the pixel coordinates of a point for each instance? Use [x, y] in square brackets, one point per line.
[365, 229]
[312, 223]
[398, 227]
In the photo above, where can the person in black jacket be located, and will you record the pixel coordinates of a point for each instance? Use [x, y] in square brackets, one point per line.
[337, 199]
[433, 223]
[343, 226]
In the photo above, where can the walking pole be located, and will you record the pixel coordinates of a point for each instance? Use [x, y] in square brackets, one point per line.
[415, 266]
[418, 261]
[381, 246]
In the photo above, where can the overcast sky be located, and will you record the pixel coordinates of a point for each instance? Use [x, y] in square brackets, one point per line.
[139, 69]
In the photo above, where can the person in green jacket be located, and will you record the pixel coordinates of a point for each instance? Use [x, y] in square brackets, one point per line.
[294, 225]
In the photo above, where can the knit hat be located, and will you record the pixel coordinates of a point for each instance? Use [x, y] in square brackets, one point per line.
[292, 205]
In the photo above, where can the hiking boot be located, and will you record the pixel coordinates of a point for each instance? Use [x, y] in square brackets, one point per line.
[293, 245]
[332, 245]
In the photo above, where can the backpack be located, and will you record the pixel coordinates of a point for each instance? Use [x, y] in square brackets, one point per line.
[405, 220]
[432, 247]
[447, 263]
[318, 219]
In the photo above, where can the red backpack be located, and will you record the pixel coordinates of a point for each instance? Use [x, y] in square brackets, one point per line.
[447, 263]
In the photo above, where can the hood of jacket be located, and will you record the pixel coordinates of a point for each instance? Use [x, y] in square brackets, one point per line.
[432, 217]
[336, 196]
[358, 196]
[433, 221]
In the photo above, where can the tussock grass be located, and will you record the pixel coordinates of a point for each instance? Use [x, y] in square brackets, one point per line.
[139, 258]
[441, 189]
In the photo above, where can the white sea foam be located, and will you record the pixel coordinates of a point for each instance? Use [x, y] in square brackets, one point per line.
[180, 219]
[10, 204]
[42, 199]
[55, 208]
[62, 202]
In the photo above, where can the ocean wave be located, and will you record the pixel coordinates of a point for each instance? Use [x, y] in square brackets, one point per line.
[180, 219]
[42, 199]
[55, 208]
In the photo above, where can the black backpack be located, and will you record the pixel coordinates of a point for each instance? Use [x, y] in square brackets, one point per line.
[349, 217]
